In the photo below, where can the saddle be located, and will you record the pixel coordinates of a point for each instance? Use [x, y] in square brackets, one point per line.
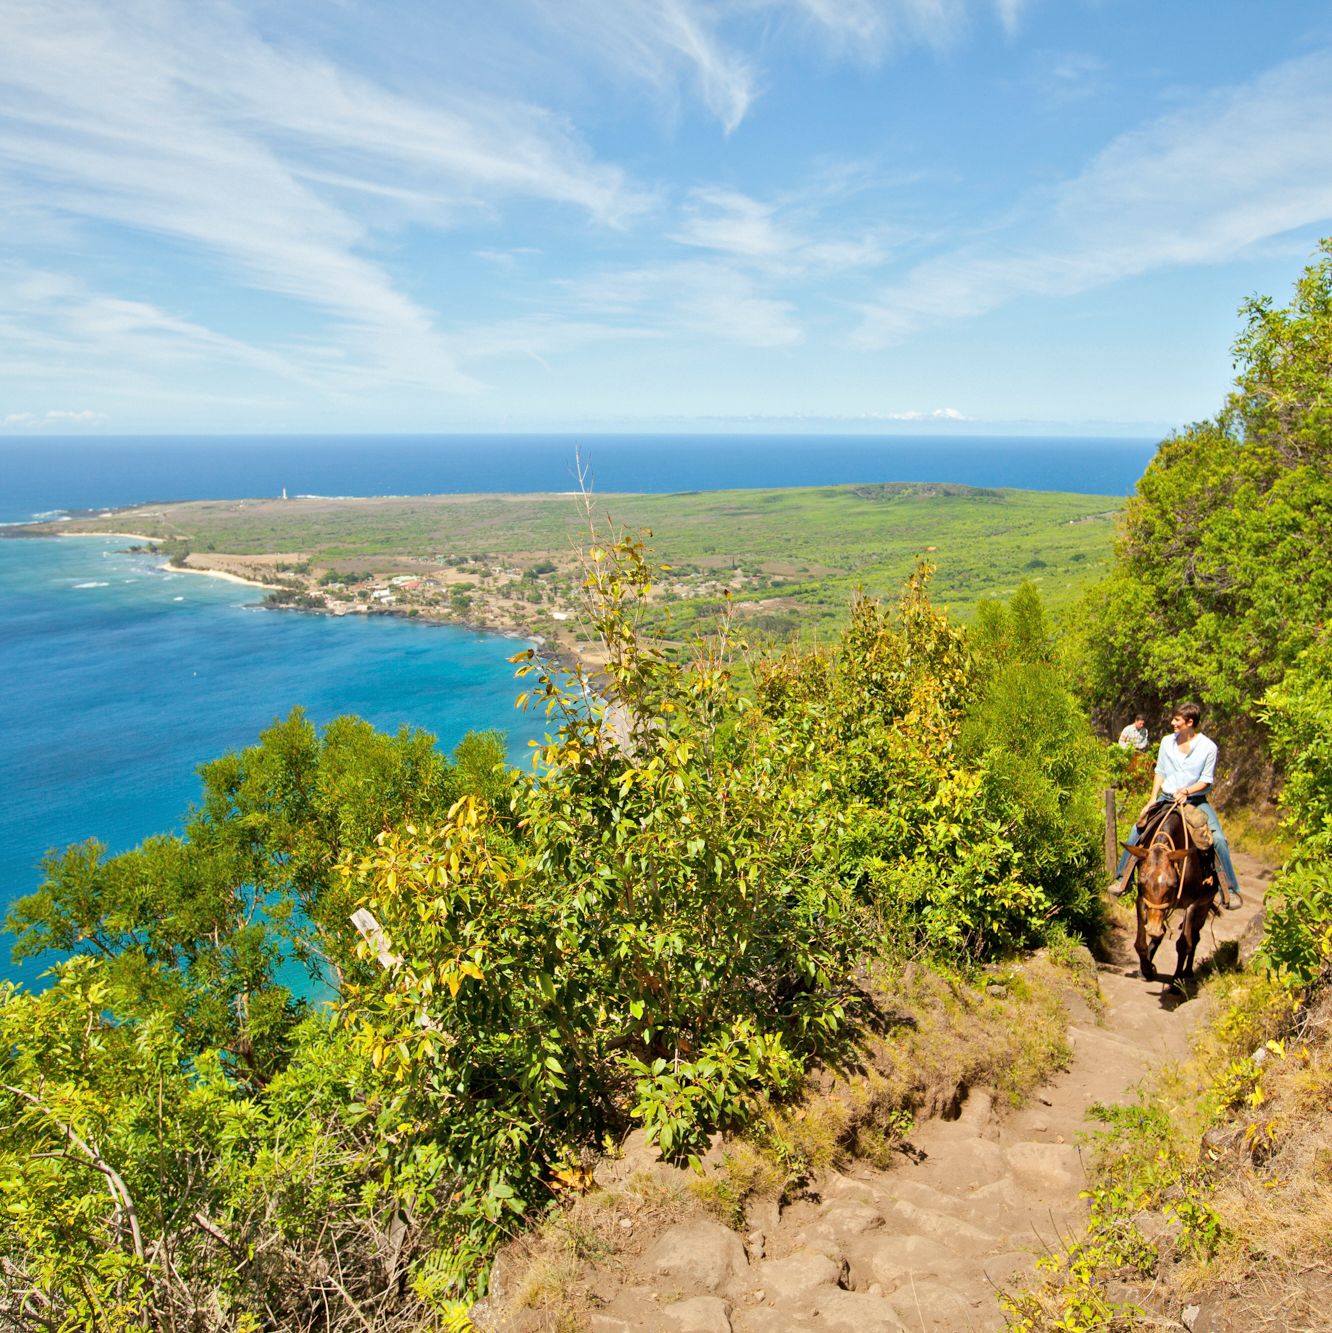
[1196, 828]
[1200, 831]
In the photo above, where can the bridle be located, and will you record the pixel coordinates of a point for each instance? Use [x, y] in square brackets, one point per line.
[1163, 840]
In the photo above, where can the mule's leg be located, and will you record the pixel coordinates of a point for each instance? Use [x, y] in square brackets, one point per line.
[1184, 947]
[1152, 947]
[1190, 932]
[1196, 920]
[1145, 951]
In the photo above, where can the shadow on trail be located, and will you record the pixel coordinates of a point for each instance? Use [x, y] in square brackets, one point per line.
[1225, 958]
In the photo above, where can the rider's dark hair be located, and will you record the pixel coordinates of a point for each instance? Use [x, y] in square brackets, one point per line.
[1190, 712]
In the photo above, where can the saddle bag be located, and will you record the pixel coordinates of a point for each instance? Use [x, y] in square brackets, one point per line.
[1200, 831]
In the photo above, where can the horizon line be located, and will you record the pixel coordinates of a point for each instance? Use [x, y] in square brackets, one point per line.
[1139, 438]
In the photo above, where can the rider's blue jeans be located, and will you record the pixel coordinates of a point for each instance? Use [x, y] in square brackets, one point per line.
[1218, 840]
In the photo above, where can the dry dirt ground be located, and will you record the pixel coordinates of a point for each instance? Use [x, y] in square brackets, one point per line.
[929, 1244]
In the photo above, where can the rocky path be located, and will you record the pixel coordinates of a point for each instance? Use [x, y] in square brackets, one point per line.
[925, 1246]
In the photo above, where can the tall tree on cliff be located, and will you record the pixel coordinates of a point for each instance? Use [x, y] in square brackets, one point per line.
[1224, 564]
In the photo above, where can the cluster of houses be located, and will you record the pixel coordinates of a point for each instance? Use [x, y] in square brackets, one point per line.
[403, 582]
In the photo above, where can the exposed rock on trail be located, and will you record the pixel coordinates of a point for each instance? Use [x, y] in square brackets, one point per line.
[927, 1245]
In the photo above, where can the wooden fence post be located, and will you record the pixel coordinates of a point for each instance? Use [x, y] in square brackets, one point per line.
[1111, 833]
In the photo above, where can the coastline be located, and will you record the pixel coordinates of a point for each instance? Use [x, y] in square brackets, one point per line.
[510, 563]
[175, 569]
[128, 536]
[224, 574]
[286, 586]
[560, 653]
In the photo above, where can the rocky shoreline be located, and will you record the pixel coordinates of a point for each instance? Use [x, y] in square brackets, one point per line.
[292, 588]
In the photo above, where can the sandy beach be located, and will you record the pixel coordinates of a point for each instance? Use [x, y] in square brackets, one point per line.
[128, 536]
[178, 569]
[217, 574]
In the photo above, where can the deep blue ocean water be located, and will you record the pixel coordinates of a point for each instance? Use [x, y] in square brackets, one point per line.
[42, 473]
[118, 677]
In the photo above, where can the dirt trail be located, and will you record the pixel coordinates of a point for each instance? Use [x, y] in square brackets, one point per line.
[923, 1247]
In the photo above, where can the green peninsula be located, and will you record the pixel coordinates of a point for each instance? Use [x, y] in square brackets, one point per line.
[788, 558]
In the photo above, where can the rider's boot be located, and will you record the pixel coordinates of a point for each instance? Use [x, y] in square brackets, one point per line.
[1118, 887]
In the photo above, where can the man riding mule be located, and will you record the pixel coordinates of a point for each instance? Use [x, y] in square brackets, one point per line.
[1185, 771]
[1174, 874]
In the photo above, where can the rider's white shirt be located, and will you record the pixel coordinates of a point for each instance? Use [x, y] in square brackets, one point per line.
[1184, 770]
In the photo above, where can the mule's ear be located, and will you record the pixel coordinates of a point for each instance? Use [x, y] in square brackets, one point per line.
[1176, 857]
[1134, 850]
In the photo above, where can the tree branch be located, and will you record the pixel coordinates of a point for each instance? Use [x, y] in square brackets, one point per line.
[91, 1157]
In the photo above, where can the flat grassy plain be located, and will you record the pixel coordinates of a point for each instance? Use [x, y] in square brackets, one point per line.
[790, 558]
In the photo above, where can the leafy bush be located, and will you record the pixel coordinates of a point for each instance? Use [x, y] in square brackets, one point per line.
[225, 927]
[146, 1188]
[1041, 771]
[1298, 939]
[658, 942]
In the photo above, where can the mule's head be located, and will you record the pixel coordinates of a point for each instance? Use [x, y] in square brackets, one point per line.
[1159, 871]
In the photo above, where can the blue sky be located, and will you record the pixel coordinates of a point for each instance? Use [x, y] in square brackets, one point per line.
[981, 216]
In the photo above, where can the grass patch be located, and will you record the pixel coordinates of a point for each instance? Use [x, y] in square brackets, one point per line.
[1259, 831]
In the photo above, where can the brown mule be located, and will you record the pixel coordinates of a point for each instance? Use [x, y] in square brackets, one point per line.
[1173, 875]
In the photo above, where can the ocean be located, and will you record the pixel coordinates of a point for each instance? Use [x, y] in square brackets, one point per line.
[42, 474]
[121, 676]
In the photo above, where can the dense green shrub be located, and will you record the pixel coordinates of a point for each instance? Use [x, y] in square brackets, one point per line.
[658, 942]
[1041, 771]
[145, 1188]
[1298, 940]
[227, 927]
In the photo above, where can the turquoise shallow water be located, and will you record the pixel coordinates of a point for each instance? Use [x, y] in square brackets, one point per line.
[119, 677]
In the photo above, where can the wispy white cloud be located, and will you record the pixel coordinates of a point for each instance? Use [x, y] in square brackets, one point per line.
[507, 261]
[665, 45]
[1010, 13]
[695, 297]
[185, 124]
[55, 416]
[788, 235]
[52, 324]
[540, 336]
[659, 44]
[1058, 78]
[1196, 187]
[136, 361]
[873, 28]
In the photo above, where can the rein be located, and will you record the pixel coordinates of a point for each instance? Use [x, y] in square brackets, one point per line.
[1163, 839]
